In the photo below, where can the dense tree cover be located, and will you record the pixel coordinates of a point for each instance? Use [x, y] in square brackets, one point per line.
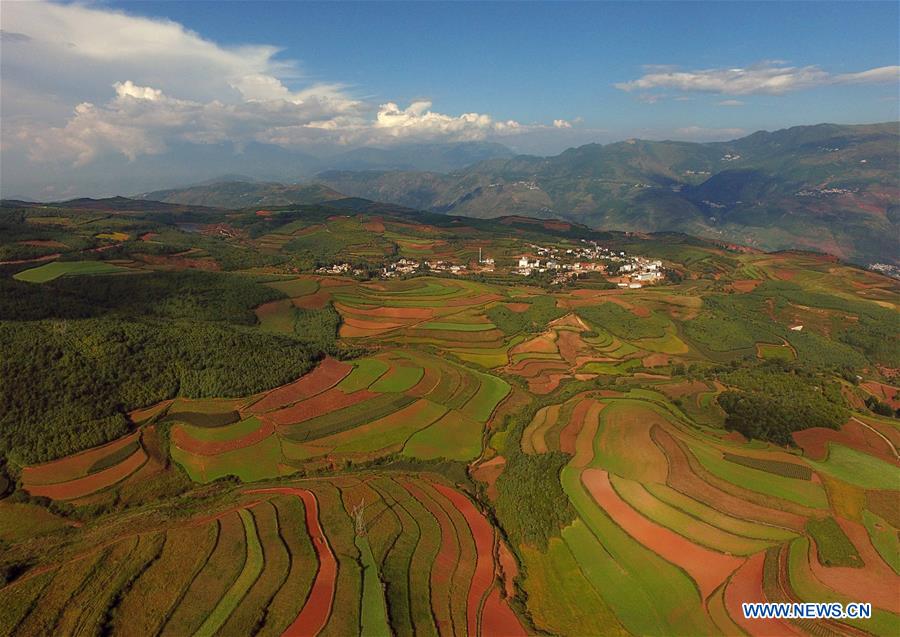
[190, 294]
[76, 354]
[622, 322]
[530, 498]
[776, 398]
[541, 310]
[65, 385]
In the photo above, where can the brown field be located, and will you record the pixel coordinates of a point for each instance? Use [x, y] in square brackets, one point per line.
[746, 586]
[212, 448]
[682, 477]
[323, 403]
[327, 374]
[81, 487]
[708, 568]
[74, 466]
[814, 441]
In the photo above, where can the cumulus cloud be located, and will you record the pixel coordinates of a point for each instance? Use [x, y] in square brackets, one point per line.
[772, 77]
[83, 81]
[561, 123]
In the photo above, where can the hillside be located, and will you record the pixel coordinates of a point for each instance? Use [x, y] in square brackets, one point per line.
[829, 188]
[352, 418]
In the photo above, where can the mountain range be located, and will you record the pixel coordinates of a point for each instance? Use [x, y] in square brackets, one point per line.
[831, 188]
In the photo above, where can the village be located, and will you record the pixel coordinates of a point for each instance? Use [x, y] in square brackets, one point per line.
[565, 264]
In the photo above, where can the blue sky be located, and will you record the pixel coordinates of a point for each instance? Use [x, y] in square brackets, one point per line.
[541, 61]
[95, 90]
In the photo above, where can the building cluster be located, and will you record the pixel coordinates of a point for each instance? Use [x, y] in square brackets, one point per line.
[340, 268]
[819, 192]
[633, 271]
[886, 269]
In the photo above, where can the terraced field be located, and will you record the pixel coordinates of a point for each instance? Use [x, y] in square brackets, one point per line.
[488, 456]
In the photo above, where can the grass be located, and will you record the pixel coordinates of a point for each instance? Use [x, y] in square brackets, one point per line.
[115, 458]
[253, 565]
[560, 599]
[809, 589]
[806, 493]
[19, 601]
[884, 538]
[491, 391]
[769, 350]
[19, 521]
[373, 615]
[648, 594]
[399, 379]
[785, 469]
[685, 525]
[858, 468]
[254, 462]
[457, 327]
[51, 271]
[832, 544]
[718, 519]
[365, 372]
[455, 437]
[302, 566]
[224, 433]
[394, 429]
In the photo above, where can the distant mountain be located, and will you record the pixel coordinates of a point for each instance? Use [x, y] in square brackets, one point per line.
[243, 194]
[433, 157]
[827, 187]
[110, 204]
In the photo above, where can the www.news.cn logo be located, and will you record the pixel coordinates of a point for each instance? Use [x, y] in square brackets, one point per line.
[808, 610]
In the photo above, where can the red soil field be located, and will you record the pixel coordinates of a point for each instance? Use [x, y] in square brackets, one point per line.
[683, 388]
[371, 325]
[317, 609]
[375, 225]
[315, 301]
[543, 344]
[745, 285]
[585, 409]
[328, 374]
[509, 567]
[706, 567]
[746, 586]
[488, 472]
[73, 466]
[478, 299]
[518, 307]
[498, 620]
[533, 368]
[329, 400]
[417, 313]
[851, 582]
[885, 393]
[814, 441]
[571, 346]
[212, 448]
[444, 563]
[546, 384]
[681, 477]
[484, 541]
[147, 412]
[81, 487]
[640, 311]
[429, 381]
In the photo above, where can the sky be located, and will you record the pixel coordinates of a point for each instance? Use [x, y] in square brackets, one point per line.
[96, 96]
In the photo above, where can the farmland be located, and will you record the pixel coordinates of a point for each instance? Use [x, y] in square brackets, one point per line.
[264, 448]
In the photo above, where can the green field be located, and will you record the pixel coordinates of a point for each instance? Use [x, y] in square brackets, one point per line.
[51, 271]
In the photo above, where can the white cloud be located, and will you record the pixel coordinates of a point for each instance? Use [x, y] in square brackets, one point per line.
[772, 77]
[561, 123]
[83, 81]
[730, 103]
